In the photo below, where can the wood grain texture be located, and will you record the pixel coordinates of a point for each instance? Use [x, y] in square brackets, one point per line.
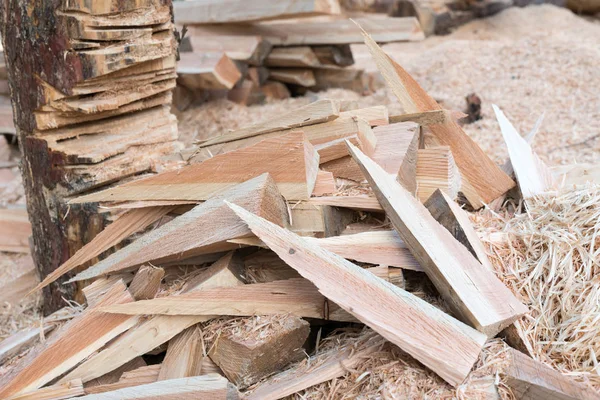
[290, 160]
[146, 282]
[314, 113]
[77, 340]
[127, 224]
[294, 296]
[210, 387]
[61, 391]
[362, 203]
[203, 230]
[532, 380]
[296, 76]
[319, 32]
[325, 184]
[375, 116]
[532, 173]
[184, 355]
[436, 169]
[15, 230]
[407, 321]
[485, 176]
[247, 361]
[136, 377]
[228, 11]
[250, 49]
[20, 341]
[210, 71]
[472, 291]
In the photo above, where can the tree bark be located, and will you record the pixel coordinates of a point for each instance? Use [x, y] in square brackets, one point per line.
[90, 84]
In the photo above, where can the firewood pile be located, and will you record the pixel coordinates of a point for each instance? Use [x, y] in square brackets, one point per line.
[329, 253]
[251, 51]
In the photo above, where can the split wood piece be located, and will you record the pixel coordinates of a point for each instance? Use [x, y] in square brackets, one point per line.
[247, 360]
[211, 71]
[75, 341]
[250, 49]
[381, 247]
[337, 149]
[396, 151]
[215, 11]
[360, 203]
[337, 363]
[340, 55]
[344, 168]
[146, 282]
[325, 184]
[375, 116]
[532, 173]
[300, 56]
[485, 176]
[266, 266]
[15, 230]
[316, 134]
[203, 230]
[407, 321]
[115, 375]
[426, 118]
[198, 387]
[436, 169]
[95, 291]
[295, 76]
[155, 331]
[529, 379]
[313, 220]
[136, 377]
[275, 156]
[471, 290]
[132, 221]
[294, 296]
[61, 391]
[275, 91]
[184, 355]
[456, 221]
[246, 93]
[314, 113]
[21, 340]
[227, 271]
[17, 279]
[382, 30]
[342, 78]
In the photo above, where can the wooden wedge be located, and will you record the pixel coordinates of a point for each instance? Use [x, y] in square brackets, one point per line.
[66, 390]
[436, 169]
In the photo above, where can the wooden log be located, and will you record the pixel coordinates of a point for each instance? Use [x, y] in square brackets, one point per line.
[475, 294]
[436, 169]
[129, 223]
[198, 387]
[15, 230]
[77, 340]
[246, 359]
[396, 152]
[488, 180]
[529, 379]
[292, 296]
[66, 390]
[146, 282]
[205, 229]
[211, 71]
[201, 181]
[340, 55]
[397, 315]
[456, 221]
[150, 333]
[215, 12]
[98, 69]
[136, 377]
[532, 173]
[184, 355]
[249, 49]
[382, 30]
[296, 76]
[314, 113]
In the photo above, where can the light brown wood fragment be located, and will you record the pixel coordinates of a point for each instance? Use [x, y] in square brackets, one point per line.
[412, 324]
[61, 391]
[136, 377]
[211, 71]
[475, 294]
[246, 361]
[296, 76]
[436, 169]
[184, 355]
[250, 49]
[362, 203]
[146, 282]
[325, 184]
[116, 375]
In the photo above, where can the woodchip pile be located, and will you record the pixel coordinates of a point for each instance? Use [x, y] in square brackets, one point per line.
[326, 254]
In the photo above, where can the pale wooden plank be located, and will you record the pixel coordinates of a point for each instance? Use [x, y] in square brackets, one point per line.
[407, 321]
[375, 116]
[362, 203]
[210, 71]
[325, 184]
[61, 391]
[21, 340]
[474, 293]
[184, 355]
[296, 76]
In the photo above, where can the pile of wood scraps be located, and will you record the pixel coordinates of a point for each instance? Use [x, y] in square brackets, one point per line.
[252, 51]
[273, 239]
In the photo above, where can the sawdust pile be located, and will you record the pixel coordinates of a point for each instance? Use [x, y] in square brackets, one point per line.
[550, 257]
